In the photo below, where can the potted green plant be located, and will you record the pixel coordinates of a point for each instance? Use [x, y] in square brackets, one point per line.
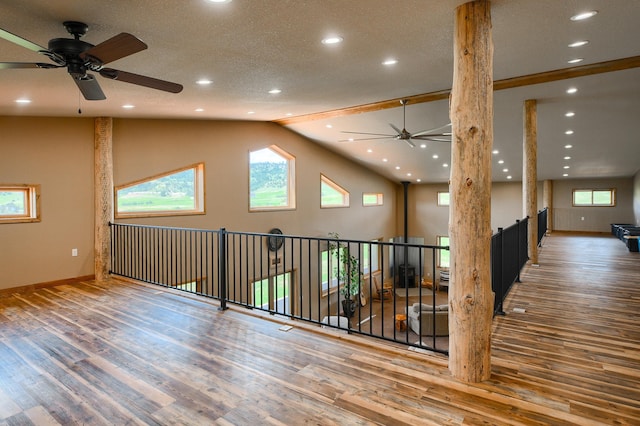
[348, 274]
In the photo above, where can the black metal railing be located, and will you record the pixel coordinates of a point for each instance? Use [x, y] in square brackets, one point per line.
[508, 257]
[542, 224]
[305, 278]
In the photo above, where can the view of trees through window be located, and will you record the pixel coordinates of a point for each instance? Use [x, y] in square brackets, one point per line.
[171, 193]
[269, 173]
[593, 197]
[19, 203]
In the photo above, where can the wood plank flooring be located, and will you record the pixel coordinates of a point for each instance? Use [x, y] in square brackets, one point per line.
[122, 353]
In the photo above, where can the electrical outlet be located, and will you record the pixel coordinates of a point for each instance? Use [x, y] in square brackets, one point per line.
[74, 252]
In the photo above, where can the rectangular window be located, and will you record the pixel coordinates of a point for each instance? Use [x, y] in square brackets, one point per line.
[271, 179]
[594, 197]
[19, 203]
[178, 192]
[442, 256]
[372, 199]
[443, 198]
[332, 194]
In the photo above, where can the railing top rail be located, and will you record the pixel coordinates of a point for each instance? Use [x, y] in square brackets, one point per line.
[175, 228]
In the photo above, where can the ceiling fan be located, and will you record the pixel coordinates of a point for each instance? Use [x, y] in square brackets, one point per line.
[435, 135]
[79, 57]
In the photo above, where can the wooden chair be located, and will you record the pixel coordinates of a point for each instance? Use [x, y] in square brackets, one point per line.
[383, 290]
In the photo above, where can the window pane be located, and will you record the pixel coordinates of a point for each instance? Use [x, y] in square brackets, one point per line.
[602, 197]
[443, 198]
[443, 255]
[172, 192]
[582, 198]
[13, 202]
[269, 179]
[372, 199]
[332, 194]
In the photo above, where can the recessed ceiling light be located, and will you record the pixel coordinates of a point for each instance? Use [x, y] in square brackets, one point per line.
[568, 132]
[409, 174]
[397, 167]
[570, 114]
[251, 112]
[435, 156]
[423, 145]
[579, 43]
[332, 40]
[23, 101]
[565, 174]
[572, 90]
[390, 62]
[575, 61]
[418, 180]
[128, 106]
[584, 15]
[566, 167]
[275, 91]
[567, 158]
[369, 150]
[500, 161]
[329, 126]
[505, 170]
[509, 177]
[204, 82]
[384, 160]
[445, 165]
[288, 114]
[350, 139]
[199, 109]
[495, 151]
[568, 146]
[220, 1]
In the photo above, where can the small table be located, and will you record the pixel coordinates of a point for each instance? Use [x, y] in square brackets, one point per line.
[401, 322]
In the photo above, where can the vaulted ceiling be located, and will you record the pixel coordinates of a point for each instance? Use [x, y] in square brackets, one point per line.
[247, 48]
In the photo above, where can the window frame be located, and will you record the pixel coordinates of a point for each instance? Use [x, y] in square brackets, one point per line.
[379, 199]
[345, 194]
[291, 181]
[612, 192]
[31, 195]
[198, 195]
[440, 201]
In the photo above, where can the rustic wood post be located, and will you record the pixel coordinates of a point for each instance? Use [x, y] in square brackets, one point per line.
[547, 201]
[470, 296]
[530, 176]
[103, 194]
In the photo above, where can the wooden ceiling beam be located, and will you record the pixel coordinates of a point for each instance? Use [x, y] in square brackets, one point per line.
[508, 83]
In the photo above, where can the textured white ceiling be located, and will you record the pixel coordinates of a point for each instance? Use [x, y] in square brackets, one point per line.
[248, 47]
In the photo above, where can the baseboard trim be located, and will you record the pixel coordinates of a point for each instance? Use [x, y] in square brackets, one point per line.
[32, 287]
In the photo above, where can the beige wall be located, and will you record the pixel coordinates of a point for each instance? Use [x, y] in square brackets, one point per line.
[58, 155]
[591, 219]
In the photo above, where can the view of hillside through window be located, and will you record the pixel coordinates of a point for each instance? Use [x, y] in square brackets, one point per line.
[171, 192]
[12, 203]
[269, 179]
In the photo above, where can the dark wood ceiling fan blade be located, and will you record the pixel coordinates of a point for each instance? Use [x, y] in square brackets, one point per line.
[10, 65]
[21, 41]
[119, 46]
[141, 80]
[89, 88]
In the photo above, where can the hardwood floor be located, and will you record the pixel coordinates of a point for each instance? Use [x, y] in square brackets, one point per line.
[121, 353]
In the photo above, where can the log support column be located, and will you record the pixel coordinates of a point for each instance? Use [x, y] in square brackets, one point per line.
[103, 195]
[470, 296]
[530, 176]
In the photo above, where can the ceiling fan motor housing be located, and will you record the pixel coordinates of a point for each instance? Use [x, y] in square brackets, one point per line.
[70, 49]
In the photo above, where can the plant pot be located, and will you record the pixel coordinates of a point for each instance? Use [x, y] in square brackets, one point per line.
[349, 307]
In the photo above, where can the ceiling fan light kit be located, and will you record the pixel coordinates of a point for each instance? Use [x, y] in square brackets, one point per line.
[403, 135]
[79, 57]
